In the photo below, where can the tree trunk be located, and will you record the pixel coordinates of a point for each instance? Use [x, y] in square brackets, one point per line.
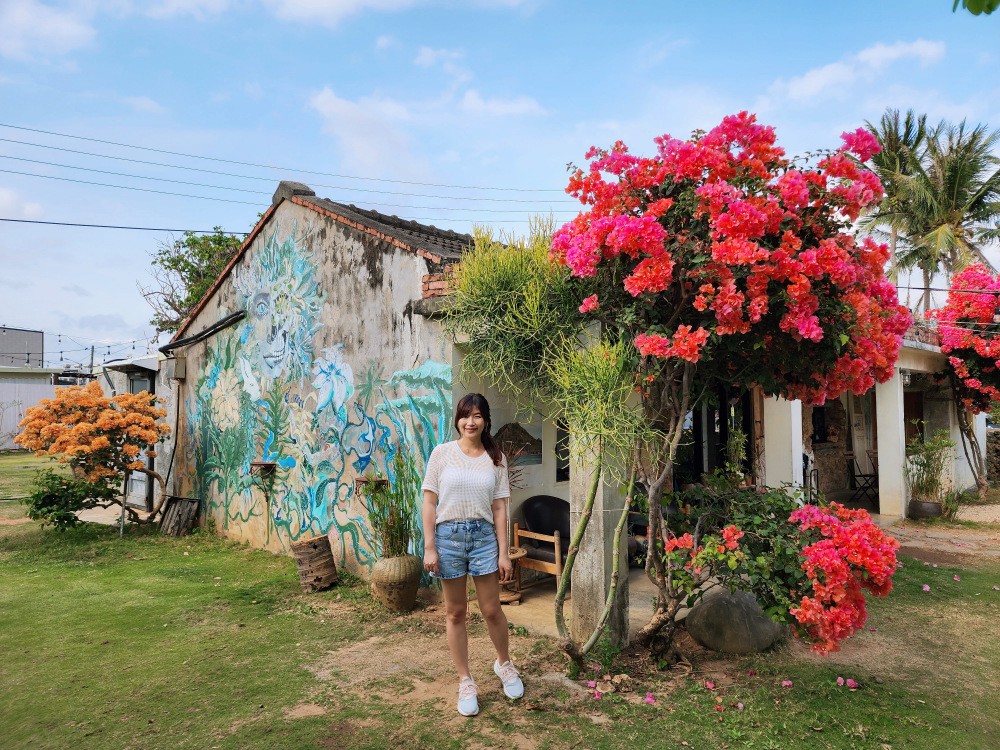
[973, 450]
[927, 289]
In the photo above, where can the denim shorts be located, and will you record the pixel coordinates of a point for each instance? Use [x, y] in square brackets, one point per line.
[466, 547]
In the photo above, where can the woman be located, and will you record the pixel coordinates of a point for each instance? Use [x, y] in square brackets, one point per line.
[465, 500]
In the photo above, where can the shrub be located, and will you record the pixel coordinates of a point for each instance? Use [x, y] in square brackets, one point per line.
[55, 499]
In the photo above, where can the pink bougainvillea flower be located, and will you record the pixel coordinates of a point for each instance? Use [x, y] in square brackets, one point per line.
[851, 684]
[592, 684]
[590, 304]
[787, 683]
[751, 673]
[709, 684]
[739, 706]
[957, 578]
[926, 587]
[598, 695]
[719, 707]
[650, 698]
[840, 682]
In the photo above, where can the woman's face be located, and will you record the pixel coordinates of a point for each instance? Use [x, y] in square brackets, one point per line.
[472, 424]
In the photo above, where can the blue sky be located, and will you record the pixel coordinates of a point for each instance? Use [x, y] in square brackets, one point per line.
[480, 94]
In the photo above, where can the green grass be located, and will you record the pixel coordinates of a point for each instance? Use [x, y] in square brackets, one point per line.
[18, 469]
[153, 642]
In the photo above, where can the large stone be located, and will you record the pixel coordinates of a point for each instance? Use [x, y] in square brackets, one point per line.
[732, 622]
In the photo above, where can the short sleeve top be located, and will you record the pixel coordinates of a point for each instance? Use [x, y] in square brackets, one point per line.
[466, 487]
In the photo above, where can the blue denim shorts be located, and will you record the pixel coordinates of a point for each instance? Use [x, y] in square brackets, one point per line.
[466, 547]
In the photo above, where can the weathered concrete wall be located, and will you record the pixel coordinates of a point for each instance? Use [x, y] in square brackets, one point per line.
[328, 377]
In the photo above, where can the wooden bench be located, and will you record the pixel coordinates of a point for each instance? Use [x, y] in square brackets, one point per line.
[545, 536]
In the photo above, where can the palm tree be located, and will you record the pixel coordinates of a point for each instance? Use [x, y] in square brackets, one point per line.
[953, 198]
[902, 142]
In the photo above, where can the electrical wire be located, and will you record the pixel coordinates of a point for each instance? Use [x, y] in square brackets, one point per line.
[116, 226]
[270, 166]
[222, 187]
[271, 179]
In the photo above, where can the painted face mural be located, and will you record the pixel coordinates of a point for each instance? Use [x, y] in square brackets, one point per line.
[265, 393]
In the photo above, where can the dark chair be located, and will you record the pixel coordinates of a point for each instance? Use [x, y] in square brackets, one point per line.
[546, 534]
[865, 485]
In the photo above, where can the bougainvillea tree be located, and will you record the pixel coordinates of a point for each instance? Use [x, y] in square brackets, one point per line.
[100, 437]
[969, 326]
[716, 260]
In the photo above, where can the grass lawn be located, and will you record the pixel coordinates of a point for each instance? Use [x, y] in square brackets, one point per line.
[155, 642]
[18, 469]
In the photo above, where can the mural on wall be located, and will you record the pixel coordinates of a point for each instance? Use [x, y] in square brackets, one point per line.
[265, 394]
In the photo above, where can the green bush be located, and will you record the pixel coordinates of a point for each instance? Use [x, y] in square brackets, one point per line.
[55, 499]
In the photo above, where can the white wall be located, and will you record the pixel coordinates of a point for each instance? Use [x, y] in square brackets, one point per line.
[28, 389]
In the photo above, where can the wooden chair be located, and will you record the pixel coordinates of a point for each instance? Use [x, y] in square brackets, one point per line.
[546, 535]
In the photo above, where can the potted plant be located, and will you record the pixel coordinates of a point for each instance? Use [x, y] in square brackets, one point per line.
[392, 512]
[925, 462]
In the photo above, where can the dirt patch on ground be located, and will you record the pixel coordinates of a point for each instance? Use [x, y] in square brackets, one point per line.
[939, 556]
[14, 521]
[304, 710]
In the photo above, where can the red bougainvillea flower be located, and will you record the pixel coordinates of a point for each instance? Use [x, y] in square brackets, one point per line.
[720, 244]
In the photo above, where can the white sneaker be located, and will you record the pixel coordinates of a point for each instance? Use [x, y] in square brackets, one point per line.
[468, 697]
[512, 686]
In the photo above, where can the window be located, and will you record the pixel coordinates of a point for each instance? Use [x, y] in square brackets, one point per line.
[562, 452]
[819, 430]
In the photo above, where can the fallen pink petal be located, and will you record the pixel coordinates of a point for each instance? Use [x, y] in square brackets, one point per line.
[787, 683]
[927, 564]
[925, 587]
[840, 681]
[598, 695]
[739, 706]
[751, 673]
[592, 683]
[650, 698]
[709, 684]
[957, 578]
[851, 684]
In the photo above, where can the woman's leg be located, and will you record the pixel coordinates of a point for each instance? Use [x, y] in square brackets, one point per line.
[456, 601]
[488, 594]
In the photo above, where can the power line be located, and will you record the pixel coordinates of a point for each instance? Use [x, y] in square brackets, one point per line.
[230, 200]
[270, 166]
[269, 179]
[114, 226]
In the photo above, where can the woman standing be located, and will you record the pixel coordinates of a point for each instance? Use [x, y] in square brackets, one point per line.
[466, 489]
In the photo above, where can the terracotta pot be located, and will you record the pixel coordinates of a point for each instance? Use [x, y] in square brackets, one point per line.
[395, 581]
[924, 509]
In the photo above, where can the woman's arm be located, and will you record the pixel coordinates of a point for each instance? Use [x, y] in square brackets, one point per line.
[499, 509]
[428, 512]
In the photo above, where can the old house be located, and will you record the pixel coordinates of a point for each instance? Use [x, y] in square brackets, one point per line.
[319, 355]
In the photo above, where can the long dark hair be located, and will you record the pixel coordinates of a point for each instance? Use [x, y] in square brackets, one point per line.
[465, 407]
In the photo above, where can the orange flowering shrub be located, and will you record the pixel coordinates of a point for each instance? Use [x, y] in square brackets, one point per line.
[101, 436]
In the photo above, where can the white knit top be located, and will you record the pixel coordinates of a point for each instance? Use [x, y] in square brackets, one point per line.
[466, 487]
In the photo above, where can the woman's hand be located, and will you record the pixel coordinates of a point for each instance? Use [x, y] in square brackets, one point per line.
[506, 568]
[431, 561]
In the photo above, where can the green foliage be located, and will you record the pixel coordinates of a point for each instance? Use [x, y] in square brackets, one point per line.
[768, 562]
[977, 7]
[511, 309]
[605, 652]
[925, 462]
[56, 498]
[184, 271]
[392, 505]
[592, 390]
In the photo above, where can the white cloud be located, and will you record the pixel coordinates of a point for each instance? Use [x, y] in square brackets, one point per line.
[31, 30]
[369, 133]
[385, 41]
[428, 57]
[12, 207]
[330, 12]
[197, 8]
[865, 66]
[145, 105]
[475, 104]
